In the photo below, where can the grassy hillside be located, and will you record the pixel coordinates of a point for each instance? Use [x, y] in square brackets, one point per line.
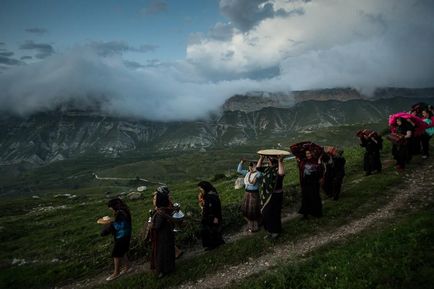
[52, 240]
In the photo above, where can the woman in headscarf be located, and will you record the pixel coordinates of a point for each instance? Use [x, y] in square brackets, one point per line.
[211, 230]
[400, 150]
[121, 230]
[272, 190]
[251, 206]
[372, 143]
[162, 235]
[429, 132]
[310, 174]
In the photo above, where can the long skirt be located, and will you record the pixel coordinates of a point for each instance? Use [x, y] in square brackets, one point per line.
[310, 199]
[337, 185]
[163, 250]
[371, 161]
[211, 235]
[401, 154]
[251, 206]
[271, 213]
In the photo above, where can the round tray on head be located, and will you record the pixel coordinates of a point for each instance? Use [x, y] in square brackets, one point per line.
[274, 152]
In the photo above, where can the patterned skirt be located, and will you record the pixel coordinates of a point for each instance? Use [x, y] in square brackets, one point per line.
[251, 206]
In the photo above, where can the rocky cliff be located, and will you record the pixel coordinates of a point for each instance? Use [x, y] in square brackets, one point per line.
[52, 136]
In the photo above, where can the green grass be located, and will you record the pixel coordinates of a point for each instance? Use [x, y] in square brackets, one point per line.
[398, 256]
[358, 199]
[72, 235]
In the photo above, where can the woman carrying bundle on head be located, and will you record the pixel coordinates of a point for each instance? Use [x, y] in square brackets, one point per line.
[251, 206]
[272, 189]
[311, 171]
[162, 235]
[209, 201]
[401, 150]
[334, 171]
[372, 143]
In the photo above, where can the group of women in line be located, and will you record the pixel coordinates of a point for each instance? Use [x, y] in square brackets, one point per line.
[161, 229]
[410, 134]
[262, 203]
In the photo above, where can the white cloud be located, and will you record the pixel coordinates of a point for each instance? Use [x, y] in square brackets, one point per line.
[364, 44]
[84, 78]
[330, 36]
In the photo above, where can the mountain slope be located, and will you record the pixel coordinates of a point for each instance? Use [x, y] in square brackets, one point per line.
[53, 136]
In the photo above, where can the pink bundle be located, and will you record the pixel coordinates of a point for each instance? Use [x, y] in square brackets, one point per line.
[419, 124]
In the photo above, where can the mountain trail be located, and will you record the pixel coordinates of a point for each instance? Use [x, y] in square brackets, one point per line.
[417, 186]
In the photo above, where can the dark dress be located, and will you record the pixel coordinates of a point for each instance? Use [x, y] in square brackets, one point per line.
[401, 150]
[272, 189]
[339, 173]
[310, 174]
[371, 159]
[211, 233]
[329, 174]
[163, 242]
[121, 230]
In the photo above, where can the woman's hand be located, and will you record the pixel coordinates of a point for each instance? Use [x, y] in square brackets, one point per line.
[215, 221]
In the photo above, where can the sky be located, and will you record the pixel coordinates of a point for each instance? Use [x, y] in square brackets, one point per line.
[181, 59]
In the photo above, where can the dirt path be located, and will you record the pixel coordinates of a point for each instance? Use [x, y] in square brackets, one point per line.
[411, 190]
[285, 252]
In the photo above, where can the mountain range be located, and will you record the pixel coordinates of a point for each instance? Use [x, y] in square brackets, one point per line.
[64, 134]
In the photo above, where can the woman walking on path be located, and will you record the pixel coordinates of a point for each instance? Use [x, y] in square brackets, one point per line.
[310, 174]
[429, 132]
[211, 230]
[372, 143]
[401, 150]
[251, 206]
[272, 188]
[121, 230]
[162, 235]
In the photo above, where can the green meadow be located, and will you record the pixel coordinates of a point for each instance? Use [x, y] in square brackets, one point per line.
[53, 239]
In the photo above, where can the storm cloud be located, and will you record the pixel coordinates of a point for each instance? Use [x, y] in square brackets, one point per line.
[36, 30]
[119, 47]
[273, 46]
[42, 50]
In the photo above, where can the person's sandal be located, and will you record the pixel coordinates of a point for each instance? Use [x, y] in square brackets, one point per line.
[125, 271]
[179, 255]
[112, 277]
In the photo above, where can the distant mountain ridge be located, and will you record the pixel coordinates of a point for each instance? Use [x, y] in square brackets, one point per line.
[58, 135]
[257, 100]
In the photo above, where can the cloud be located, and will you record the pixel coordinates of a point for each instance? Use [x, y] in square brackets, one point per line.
[221, 31]
[84, 78]
[324, 41]
[119, 47]
[43, 50]
[2, 43]
[26, 57]
[246, 13]
[36, 30]
[362, 44]
[155, 7]
[133, 64]
[9, 61]
[6, 53]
